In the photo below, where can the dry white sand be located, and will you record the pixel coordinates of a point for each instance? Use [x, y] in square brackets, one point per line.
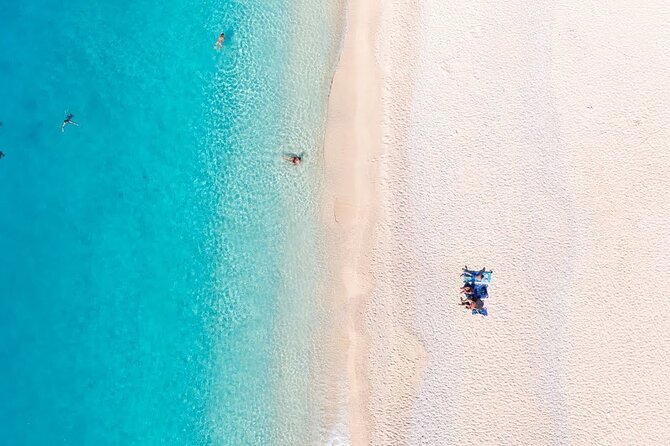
[530, 138]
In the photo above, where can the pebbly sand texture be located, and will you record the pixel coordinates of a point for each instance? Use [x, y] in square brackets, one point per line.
[530, 138]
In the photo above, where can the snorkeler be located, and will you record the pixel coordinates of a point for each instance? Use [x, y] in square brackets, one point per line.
[68, 120]
[2, 154]
[219, 42]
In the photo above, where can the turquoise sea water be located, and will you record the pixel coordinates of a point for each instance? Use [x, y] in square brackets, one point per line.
[158, 263]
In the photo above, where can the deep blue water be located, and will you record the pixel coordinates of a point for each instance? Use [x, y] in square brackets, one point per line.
[140, 253]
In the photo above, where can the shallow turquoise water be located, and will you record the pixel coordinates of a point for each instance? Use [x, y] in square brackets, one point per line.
[158, 262]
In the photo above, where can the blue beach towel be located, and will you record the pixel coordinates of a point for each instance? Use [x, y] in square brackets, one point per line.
[469, 276]
[481, 291]
[483, 311]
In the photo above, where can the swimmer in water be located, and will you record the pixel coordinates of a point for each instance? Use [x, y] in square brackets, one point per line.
[293, 158]
[219, 42]
[68, 120]
[2, 154]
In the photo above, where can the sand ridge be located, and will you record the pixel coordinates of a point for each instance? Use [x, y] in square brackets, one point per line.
[351, 140]
[383, 356]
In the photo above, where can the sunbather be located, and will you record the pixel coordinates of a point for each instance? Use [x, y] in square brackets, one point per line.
[471, 275]
[468, 288]
[470, 303]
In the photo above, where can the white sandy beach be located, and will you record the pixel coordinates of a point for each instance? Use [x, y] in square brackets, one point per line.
[530, 138]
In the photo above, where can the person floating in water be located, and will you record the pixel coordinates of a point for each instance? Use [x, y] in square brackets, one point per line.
[68, 120]
[2, 154]
[293, 158]
[219, 41]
